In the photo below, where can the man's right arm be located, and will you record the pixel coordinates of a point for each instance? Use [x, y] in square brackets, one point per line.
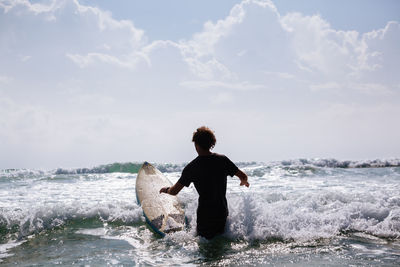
[243, 178]
[173, 190]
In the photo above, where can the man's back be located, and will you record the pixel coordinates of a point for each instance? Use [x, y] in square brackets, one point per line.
[208, 174]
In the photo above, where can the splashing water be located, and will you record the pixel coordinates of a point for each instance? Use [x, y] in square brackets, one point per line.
[299, 212]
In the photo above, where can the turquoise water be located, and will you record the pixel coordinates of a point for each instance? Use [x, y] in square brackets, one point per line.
[295, 213]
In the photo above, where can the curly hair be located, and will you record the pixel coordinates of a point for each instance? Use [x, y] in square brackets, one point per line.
[204, 137]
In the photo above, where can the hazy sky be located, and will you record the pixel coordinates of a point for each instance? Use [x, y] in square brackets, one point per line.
[89, 82]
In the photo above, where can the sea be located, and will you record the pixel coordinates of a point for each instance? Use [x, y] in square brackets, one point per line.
[303, 212]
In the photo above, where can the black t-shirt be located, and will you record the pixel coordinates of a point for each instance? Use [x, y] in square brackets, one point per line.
[208, 174]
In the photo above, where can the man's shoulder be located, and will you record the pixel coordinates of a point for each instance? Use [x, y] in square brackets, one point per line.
[219, 155]
[192, 163]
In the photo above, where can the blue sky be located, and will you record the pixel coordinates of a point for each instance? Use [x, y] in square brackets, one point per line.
[89, 82]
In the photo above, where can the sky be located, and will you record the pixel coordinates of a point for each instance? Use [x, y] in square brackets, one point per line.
[86, 82]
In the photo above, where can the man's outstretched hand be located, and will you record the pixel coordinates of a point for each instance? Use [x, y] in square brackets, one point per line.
[243, 178]
[244, 182]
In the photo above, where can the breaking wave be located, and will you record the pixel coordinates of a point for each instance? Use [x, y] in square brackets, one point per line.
[133, 167]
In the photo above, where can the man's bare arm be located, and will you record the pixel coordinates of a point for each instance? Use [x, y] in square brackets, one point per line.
[243, 178]
[173, 190]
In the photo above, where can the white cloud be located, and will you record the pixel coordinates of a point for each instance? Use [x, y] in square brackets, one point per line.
[241, 46]
[222, 98]
[381, 54]
[25, 58]
[372, 88]
[93, 58]
[36, 8]
[282, 75]
[103, 101]
[245, 86]
[77, 30]
[73, 76]
[5, 79]
[325, 86]
[254, 37]
[321, 48]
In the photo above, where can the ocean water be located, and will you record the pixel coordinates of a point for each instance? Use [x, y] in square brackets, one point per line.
[307, 212]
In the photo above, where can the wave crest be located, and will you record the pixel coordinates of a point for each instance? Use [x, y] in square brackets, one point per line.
[17, 223]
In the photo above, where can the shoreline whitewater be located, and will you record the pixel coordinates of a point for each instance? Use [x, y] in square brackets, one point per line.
[296, 212]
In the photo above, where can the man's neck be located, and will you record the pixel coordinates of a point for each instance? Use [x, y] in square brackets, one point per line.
[204, 152]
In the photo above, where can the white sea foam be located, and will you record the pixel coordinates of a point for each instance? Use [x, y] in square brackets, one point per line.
[32, 205]
[306, 208]
[102, 231]
[4, 248]
[296, 203]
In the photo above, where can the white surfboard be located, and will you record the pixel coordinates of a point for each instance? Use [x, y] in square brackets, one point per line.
[163, 212]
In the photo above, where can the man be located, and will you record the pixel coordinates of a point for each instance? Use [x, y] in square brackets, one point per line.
[208, 172]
